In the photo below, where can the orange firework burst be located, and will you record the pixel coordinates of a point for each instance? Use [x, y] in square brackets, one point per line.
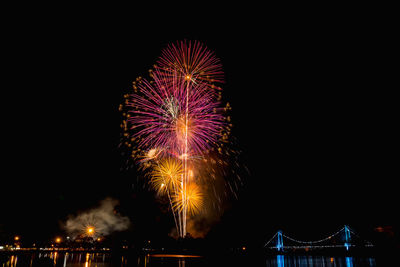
[194, 199]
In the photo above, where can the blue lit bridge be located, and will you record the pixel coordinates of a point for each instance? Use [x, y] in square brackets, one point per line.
[345, 238]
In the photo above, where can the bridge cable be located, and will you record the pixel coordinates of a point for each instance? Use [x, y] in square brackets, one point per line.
[313, 242]
[270, 239]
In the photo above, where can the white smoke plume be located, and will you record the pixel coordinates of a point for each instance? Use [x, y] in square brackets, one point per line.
[103, 220]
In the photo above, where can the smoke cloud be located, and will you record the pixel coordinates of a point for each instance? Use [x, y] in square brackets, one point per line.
[103, 219]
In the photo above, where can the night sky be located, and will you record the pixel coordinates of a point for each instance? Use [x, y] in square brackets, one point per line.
[313, 114]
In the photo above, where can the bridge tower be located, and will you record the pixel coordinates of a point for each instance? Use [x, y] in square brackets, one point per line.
[279, 244]
[347, 238]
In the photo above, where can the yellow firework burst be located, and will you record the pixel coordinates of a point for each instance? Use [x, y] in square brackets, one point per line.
[166, 175]
[194, 199]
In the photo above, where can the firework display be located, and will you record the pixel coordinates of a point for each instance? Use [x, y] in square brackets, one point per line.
[177, 127]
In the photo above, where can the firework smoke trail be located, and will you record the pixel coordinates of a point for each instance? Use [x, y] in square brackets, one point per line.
[177, 114]
[184, 196]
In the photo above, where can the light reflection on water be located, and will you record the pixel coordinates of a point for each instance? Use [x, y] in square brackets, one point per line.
[56, 259]
[308, 261]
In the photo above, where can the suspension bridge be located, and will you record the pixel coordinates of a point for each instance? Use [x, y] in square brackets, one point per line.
[345, 238]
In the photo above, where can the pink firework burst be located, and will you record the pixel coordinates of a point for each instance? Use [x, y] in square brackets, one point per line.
[167, 112]
[192, 61]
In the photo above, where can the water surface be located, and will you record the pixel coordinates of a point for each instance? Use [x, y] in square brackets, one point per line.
[109, 260]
